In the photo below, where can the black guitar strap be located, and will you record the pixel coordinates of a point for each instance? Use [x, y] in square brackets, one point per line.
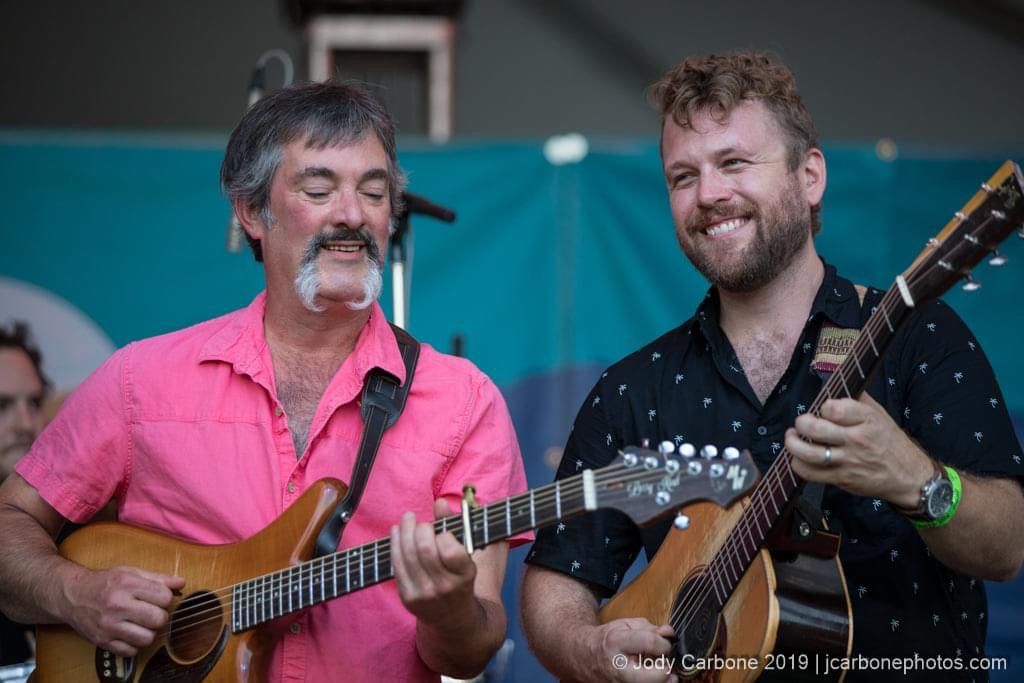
[383, 401]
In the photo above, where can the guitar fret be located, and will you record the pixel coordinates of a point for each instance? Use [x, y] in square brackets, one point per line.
[376, 564]
[322, 580]
[871, 340]
[348, 573]
[842, 378]
[533, 512]
[362, 567]
[334, 575]
[487, 533]
[250, 612]
[885, 314]
[856, 362]
[558, 499]
[508, 516]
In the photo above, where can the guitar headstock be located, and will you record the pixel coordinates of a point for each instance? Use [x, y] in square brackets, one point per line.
[976, 230]
[648, 485]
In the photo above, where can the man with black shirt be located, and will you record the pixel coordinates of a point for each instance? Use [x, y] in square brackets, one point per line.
[745, 179]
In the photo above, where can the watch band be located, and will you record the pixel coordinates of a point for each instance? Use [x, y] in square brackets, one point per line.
[954, 479]
[920, 511]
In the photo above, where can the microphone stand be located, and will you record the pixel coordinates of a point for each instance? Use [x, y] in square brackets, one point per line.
[398, 253]
[257, 87]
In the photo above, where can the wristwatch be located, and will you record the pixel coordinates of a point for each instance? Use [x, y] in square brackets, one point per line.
[937, 499]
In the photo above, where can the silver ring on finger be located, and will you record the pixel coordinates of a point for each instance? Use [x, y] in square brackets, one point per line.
[828, 456]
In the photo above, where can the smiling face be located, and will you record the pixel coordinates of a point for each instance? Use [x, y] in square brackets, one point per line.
[742, 215]
[331, 211]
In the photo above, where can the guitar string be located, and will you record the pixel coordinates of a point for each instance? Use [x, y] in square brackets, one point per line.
[277, 578]
[699, 589]
[208, 607]
[775, 480]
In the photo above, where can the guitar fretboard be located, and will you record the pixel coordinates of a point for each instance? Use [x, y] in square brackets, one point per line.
[268, 597]
[776, 489]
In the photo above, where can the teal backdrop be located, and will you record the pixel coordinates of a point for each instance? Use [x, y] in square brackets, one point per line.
[549, 274]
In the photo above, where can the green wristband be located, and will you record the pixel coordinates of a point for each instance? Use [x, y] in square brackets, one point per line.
[958, 489]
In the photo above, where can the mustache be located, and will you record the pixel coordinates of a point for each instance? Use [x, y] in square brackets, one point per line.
[322, 239]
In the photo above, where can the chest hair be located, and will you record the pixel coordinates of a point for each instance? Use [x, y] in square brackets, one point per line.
[764, 357]
[301, 384]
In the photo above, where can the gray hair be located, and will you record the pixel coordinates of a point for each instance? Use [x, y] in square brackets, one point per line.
[326, 114]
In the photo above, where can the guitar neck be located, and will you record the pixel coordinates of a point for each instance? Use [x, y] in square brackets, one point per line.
[274, 595]
[774, 492]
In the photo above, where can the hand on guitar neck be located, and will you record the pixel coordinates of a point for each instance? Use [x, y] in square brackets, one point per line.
[456, 598]
[869, 455]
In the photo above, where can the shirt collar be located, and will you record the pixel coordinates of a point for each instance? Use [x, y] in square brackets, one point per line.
[242, 343]
[836, 300]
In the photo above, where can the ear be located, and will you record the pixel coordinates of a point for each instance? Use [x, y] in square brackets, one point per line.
[250, 219]
[813, 176]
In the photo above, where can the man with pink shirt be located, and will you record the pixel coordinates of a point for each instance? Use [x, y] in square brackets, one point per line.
[210, 433]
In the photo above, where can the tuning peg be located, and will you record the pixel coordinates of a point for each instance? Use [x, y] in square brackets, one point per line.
[971, 285]
[731, 453]
[681, 521]
[666, 447]
[709, 452]
[687, 450]
[645, 443]
[997, 259]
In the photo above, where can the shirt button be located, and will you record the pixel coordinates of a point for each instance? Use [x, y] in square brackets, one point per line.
[762, 430]
[291, 487]
[277, 411]
[295, 628]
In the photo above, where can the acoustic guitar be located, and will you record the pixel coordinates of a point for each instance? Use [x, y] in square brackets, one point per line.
[744, 601]
[223, 628]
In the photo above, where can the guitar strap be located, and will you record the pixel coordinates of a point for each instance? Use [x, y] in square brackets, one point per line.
[383, 401]
[834, 343]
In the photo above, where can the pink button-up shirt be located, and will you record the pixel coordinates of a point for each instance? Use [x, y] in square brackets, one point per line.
[187, 432]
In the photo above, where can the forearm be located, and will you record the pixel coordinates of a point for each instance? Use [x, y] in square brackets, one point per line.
[985, 538]
[556, 609]
[31, 570]
[462, 645]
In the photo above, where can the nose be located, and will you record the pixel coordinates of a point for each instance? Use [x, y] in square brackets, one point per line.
[348, 211]
[27, 417]
[713, 187]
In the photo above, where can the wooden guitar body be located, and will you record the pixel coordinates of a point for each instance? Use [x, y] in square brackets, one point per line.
[198, 644]
[239, 597]
[777, 609]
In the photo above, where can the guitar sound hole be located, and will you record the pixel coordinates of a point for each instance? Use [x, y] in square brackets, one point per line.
[195, 626]
[697, 618]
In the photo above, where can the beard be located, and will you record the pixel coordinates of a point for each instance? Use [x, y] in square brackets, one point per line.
[309, 280]
[782, 228]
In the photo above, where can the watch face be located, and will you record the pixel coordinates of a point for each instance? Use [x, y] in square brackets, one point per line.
[940, 499]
